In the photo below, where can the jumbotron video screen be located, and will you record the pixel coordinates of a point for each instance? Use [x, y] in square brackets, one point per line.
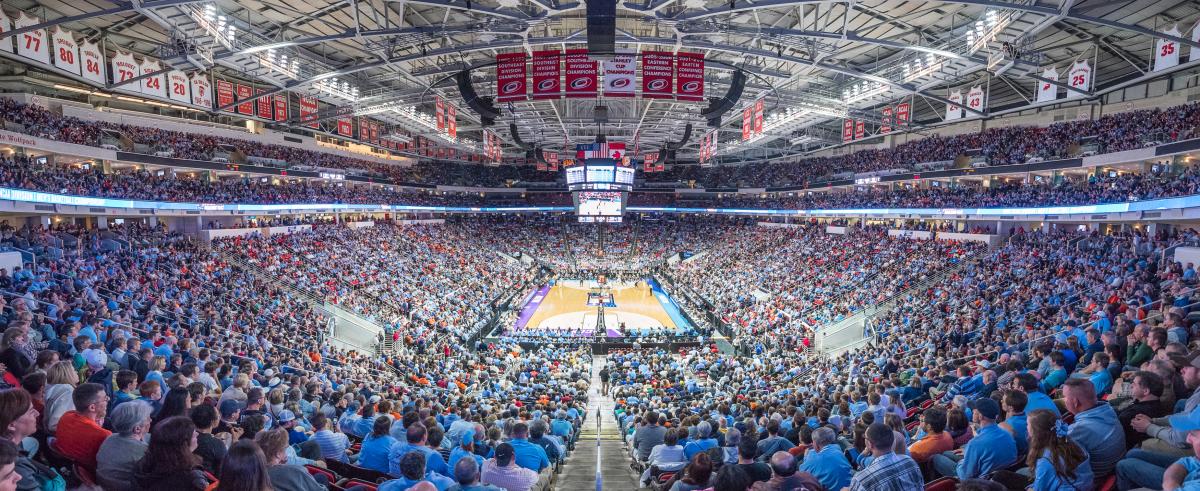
[599, 206]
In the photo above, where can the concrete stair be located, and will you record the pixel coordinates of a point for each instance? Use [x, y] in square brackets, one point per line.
[600, 449]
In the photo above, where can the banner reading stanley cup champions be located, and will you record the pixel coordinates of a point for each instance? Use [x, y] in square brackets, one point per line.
[619, 75]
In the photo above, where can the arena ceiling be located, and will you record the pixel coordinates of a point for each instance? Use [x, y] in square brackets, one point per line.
[804, 56]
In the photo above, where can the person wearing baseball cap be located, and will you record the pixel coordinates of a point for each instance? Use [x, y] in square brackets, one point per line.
[991, 449]
[465, 448]
[1142, 469]
[1164, 438]
[502, 471]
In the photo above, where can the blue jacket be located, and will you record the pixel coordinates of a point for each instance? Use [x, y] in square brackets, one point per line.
[1099, 431]
[1045, 478]
[829, 466]
[991, 449]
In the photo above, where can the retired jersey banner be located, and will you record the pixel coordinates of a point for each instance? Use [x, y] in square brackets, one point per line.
[6, 43]
[903, 113]
[953, 109]
[510, 77]
[747, 122]
[224, 93]
[619, 75]
[758, 117]
[547, 75]
[124, 67]
[885, 119]
[975, 98]
[689, 76]
[1046, 90]
[860, 129]
[153, 85]
[1079, 79]
[439, 111]
[66, 50]
[245, 93]
[264, 106]
[451, 122]
[345, 127]
[32, 44]
[1166, 51]
[91, 62]
[308, 112]
[281, 106]
[658, 74]
[580, 74]
[178, 86]
[847, 130]
[201, 91]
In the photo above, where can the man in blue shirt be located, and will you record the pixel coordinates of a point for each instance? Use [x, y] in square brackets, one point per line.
[703, 440]
[415, 437]
[1028, 383]
[528, 455]
[826, 462]
[991, 449]
[1096, 428]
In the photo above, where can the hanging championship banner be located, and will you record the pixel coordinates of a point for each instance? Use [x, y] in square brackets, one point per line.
[32, 44]
[92, 63]
[66, 50]
[264, 106]
[1079, 79]
[975, 98]
[758, 117]
[224, 93]
[308, 112]
[903, 113]
[689, 76]
[345, 127]
[1166, 51]
[619, 74]
[245, 93]
[847, 130]
[6, 43]
[439, 111]
[658, 74]
[551, 160]
[153, 85]
[885, 120]
[747, 122]
[953, 110]
[1046, 90]
[281, 106]
[860, 129]
[179, 87]
[510, 77]
[648, 161]
[580, 74]
[451, 122]
[201, 91]
[124, 68]
[547, 75]
[540, 166]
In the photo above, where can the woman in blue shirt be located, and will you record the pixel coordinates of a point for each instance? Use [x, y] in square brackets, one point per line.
[374, 452]
[1058, 463]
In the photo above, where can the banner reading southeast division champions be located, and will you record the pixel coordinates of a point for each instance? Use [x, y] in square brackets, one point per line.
[547, 75]
[689, 76]
[510, 77]
[658, 73]
[581, 74]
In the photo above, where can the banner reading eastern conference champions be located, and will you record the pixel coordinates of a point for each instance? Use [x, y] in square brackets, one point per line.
[665, 75]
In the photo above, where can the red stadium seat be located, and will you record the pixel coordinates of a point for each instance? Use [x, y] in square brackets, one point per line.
[1108, 484]
[943, 484]
[926, 405]
[317, 471]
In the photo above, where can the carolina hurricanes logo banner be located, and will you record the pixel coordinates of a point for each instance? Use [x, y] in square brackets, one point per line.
[689, 76]
[619, 74]
[547, 74]
[510, 77]
[451, 122]
[580, 74]
[658, 74]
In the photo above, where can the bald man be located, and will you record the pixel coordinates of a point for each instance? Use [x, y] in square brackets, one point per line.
[785, 476]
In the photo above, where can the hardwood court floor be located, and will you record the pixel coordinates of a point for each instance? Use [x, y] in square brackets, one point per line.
[565, 306]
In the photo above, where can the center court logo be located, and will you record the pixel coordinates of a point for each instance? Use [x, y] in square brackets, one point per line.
[657, 85]
[690, 87]
[510, 88]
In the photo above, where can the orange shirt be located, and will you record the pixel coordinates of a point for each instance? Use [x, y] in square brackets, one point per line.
[78, 438]
[925, 448]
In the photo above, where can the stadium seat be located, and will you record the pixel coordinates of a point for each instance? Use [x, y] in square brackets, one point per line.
[943, 484]
[317, 471]
[350, 483]
[927, 404]
[355, 472]
[1108, 484]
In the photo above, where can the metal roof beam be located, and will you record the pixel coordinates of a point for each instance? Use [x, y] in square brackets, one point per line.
[122, 7]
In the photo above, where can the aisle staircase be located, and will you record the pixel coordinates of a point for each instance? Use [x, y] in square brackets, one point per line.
[600, 460]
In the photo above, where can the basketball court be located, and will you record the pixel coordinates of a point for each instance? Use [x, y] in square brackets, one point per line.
[573, 304]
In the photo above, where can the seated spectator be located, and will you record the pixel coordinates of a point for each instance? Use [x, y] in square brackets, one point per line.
[1057, 461]
[991, 449]
[466, 476]
[1035, 398]
[887, 470]
[502, 471]
[169, 464]
[936, 439]
[648, 436]
[18, 421]
[9, 477]
[697, 473]
[703, 441]
[665, 457]
[1096, 427]
[244, 468]
[211, 447]
[755, 470]
[528, 455]
[1142, 469]
[825, 461]
[1146, 389]
[375, 447]
[284, 476]
[80, 435]
[416, 438]
[334, 445]
[121, 451]
[774, 442]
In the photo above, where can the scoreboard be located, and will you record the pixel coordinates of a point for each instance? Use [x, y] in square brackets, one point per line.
[599, 188]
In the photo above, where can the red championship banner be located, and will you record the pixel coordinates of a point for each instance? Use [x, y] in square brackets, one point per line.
[510, 77]
[581, 74]
[689, 76]
[308, 112]
[281, 106]
[885, 120]
[847, 130]
[245, 93]
[758, 117]
[658, 74]
[264, 106]
[648, 161]
[224, 93]
[860, 129]
[440, 114]
[345, 127]
[903, 112]
[747, 122]
[451, 122]
[547, 75]
[551, 161]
